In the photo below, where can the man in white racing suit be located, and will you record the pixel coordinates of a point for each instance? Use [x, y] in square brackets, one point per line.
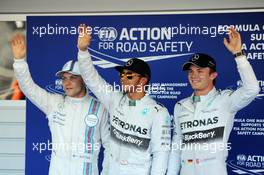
[78, 123]
[140, 127]
[203, 122]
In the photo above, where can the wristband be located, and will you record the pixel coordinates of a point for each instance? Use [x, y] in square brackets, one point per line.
[242, 52]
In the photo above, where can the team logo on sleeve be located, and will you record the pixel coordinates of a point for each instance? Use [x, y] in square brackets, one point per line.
[60, 107]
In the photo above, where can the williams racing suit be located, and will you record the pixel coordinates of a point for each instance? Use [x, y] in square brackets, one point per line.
[205, 126]
[79, 126]
[140, 129]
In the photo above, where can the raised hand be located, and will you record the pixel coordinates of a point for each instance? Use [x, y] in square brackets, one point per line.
[234, 45]
[18, 46]
[84, 38]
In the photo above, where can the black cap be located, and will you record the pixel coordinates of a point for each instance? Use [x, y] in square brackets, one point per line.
[200, 60]
[136, 65]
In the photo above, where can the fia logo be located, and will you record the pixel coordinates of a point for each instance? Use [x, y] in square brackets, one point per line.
[107, 34]
[241, 157]
[58, 84]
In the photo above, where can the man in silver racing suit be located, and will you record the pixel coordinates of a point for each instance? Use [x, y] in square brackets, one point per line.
[140, 127]
[78, 122]
[203, 122]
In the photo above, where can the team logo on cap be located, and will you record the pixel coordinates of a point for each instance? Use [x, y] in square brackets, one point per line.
[129, 63]
[211, 63]
[195, 57]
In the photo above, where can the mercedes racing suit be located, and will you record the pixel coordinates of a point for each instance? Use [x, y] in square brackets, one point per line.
[205, 126]
[140, 130]
[78, 127]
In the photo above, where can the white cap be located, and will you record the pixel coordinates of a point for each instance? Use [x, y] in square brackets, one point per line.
[70, 67]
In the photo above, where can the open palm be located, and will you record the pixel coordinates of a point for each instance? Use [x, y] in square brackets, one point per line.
[18, 46]
[234, 45]
[84, 38]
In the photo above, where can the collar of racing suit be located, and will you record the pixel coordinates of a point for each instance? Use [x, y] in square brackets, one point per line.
[76, 100]
[144, 100]
[203, 99]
